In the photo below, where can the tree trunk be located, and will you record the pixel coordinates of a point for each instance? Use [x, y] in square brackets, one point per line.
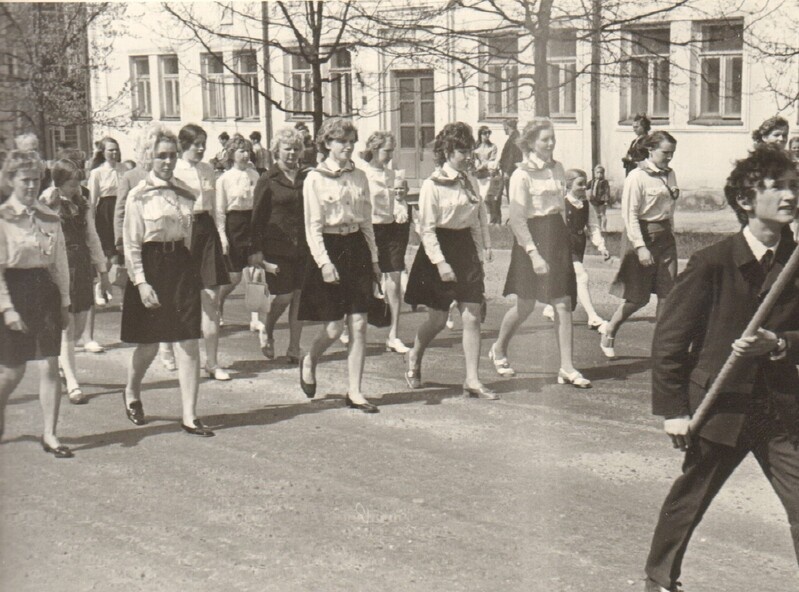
[596, 56]
[541, 72]
[318, 99]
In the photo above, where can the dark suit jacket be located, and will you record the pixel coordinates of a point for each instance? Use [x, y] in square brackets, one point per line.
[709, 307]
[511, 155]
[278, 225]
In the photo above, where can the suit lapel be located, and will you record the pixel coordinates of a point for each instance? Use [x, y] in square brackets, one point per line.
[784, 251]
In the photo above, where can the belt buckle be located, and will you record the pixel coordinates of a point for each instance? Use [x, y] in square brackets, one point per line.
[169, 247]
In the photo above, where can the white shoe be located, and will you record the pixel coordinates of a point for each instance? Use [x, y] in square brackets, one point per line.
[167, 357]
[575, 379]
[218, 373]
[397, 346]
[501, 365]
[93, 347]
[257, 326]
[345, 338]
[549, 313]
[606, 343]
[597, 324]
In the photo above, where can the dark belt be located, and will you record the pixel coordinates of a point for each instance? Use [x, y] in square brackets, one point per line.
[164, 246]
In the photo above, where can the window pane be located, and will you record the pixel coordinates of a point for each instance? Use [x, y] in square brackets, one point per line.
[723, 37]
[426, 88]
[406, 89]
[341, 59]
[711, 73]
[407, 137]
[650, 41]
[639, 86]
[512, 95]
[428, 112]
[732, 87]
[501, 49]
[248, 63]
[570, 95]
[428, 134]
[142, 66]
[407, 112]
[563, 44]
[660, 88]
[169, 64]
[298, 63]
[554, 89]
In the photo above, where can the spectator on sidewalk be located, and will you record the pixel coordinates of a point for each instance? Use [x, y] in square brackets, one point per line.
[637, 150]
[510, 157]
[774, 130]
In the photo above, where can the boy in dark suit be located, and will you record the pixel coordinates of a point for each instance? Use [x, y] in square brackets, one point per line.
[702, 321]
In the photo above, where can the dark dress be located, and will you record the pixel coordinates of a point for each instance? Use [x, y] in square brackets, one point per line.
[81, 269]
[576, 221]
[278, 228]
[206, 252]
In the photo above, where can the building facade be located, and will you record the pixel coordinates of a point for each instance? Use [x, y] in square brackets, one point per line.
[708, 81]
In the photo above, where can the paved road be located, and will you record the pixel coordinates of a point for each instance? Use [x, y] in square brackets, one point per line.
[549, 489]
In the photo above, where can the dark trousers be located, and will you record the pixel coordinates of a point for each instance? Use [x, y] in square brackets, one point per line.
[707, 466]
[495, 209]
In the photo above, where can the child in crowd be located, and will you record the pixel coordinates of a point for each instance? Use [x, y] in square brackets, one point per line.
[599, 196]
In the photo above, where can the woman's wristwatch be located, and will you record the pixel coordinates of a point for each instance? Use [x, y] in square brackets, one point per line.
[781, 351]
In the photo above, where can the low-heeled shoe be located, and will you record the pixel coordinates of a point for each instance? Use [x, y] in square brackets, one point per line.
[309, 388]
[198, 429]
[58, 452]
[134, 411]
[365, 407]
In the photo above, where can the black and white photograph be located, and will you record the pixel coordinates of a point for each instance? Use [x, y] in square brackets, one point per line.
[399, 295]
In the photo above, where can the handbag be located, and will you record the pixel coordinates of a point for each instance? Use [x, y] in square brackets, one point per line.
[256, 293]
[118, 275]
[379, 313]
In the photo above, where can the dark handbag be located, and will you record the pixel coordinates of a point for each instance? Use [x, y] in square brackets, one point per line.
[379, 313]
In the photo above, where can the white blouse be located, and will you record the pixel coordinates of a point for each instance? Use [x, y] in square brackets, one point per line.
[234, 191]
[51, 198]
[104, 181]
[336, 197]
[536, 189]
[200, 179]
[449, 199]
[650, 195]
[155, 211]
[381, 192]
[31, 237]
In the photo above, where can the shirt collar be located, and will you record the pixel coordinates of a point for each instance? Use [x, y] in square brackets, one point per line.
[331, 166]
[650, 168]
[184, 164]
[17, 209]
[758, 248]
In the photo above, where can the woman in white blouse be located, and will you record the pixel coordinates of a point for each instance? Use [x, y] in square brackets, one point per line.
[449, 263]
[206, 244]
[34, 291]
[162, 297]
[541, 262]
[343, 268]
[392, 228]
[234, 203]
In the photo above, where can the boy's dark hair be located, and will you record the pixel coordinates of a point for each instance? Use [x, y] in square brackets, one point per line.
[766, 161]
[224, 137]
[454, 136]
[255, 136]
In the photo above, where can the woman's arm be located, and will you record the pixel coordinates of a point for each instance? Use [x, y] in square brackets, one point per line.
[519, 199]
[133, 237]
[220, 211]
[59, 268]
[314, 219]
[366, 226]
[93, 242]
[630, 205]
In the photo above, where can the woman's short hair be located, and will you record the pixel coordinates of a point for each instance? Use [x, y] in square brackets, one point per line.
[223, 137]
[653, 140]
[335, 128]
[572, 175]
[152, 136]
[237, 143]
[190, 133]
[287, 135]
[766, 161]
[375, 142]
[452, 137]
[64, 170]
[255, 136]
[532, 131]
[769, 126]
[643, 120]
[20, 160]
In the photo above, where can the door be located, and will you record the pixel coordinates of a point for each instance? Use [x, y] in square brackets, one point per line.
[414, 125]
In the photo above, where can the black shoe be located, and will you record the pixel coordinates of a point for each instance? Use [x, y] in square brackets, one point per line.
[652, 586]
[308, 388]
[59, 452]
[198, 430]
[134, 411]
[365, 407]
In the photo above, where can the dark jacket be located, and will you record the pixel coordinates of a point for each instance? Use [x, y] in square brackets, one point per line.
[635, 154]
[511, 155]
[709, 307]
[278, 224]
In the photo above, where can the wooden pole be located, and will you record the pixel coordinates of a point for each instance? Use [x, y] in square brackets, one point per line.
[785, 276]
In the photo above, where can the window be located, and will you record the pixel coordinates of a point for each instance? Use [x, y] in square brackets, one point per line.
[300, 84]
[140, 87]
[648, 73]
[562, 56]
[502, 80]
[213, 84]
[247, 85]
[720, 71]
[341, 83]
[170, 87]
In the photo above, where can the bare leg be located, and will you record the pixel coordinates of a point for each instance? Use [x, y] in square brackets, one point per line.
[511, 322]
[393, 288]
[470, 315]
[140, 361]
[10, 377]
[77, 322]
[210, 325]
[49, 398]
[356, 356]
[583, 295]
[435, 323]
[87, 336]
[227, 290]
[329, 333]
[625, 310]
[187, 354]
[295, 325]
[279, 305]
[563, 331]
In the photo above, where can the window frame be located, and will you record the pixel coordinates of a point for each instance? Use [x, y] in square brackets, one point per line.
[299, 96]
[213, 87]
[340, 80]
[564, 88]
[641, 54]
[251, 88]
[299, 87]
[724, 57]
[165, 80]
[137, 94]
[495, 86]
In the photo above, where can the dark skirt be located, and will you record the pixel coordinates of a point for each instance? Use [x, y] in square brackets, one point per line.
[291, 273]
[37, 300]
[577, 244]
[460, 252]
[392, 242]
[104, 221]
[321, 301]
[551, 237]
[206, 252]
[636, 283]
[170, 269]
[239, 236]
[81, 277]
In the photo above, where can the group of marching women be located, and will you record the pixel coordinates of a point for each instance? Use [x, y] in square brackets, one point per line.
[334, 236]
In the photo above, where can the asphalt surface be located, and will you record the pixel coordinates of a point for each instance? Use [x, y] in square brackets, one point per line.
[550, 489]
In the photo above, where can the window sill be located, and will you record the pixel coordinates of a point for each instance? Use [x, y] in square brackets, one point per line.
[714, 121]
[254, 119]
[652, 120]
[499, 117]
[564, 118]
[170, 118]
[141, 117]
[214, 118]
